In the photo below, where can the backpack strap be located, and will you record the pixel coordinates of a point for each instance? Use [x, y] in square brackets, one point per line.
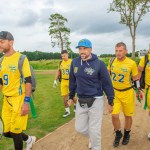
[1, 60]
[20, 63]
[111, 62]
[146, 61]
[60, 63]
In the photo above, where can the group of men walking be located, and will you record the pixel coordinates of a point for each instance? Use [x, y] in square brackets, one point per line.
[85, 76]
[89, 78]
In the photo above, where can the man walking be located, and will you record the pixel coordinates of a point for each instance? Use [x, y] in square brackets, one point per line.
[145, 65]
[63, 75]
[89, 78]
[123, 70]
[16, 93]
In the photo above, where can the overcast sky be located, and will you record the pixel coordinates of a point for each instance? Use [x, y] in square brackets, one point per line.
[28, 21]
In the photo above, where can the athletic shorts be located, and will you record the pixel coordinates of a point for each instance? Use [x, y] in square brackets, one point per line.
[148, 96]
[64, 87]
[13, 121]
[124, 100]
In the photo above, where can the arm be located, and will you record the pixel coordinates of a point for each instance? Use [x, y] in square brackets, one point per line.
[72, 85]
[141, 66]
[140, 69]
[106, 83]
[57, 75]
[72, 82]
[136, 75]
[28, 87]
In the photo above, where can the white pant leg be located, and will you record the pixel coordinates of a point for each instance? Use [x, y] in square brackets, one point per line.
[81, 120]
[95, 122]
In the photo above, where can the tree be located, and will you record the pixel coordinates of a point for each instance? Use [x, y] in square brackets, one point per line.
[59, 32]
[131, 12]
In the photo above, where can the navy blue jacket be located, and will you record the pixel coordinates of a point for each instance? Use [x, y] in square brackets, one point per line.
[89, 79]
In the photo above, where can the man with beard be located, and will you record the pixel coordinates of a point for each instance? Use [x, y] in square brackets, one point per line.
[89, 78]
[16, 93]
[123, 71]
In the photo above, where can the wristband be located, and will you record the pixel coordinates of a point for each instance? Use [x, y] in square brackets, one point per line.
[137, 84]
[26, 99]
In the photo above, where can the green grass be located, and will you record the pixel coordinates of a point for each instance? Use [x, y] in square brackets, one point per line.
[49, 107]
[53, 64]
[45, 64]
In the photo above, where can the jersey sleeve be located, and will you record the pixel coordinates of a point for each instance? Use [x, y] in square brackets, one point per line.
[142, 62]
[134, 69]
[26, 68]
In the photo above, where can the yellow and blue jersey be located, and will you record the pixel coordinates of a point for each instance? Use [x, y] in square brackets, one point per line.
[13, 84]
[147, 69]
[121, 73]
[65, 68]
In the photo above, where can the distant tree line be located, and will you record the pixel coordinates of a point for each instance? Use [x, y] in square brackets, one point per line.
[113, 55]
[38, 55]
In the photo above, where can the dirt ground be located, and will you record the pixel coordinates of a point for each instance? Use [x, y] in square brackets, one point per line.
[53, 72]
[66, 138]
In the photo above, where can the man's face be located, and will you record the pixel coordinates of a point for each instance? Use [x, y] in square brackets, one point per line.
[120, 52]
[64, 56]
[84, 52]
[5, 45]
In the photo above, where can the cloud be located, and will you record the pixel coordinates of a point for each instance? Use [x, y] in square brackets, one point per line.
[27, 18]
[28, 21]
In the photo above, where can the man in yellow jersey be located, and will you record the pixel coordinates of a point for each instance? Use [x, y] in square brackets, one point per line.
[64, 70]
[141, 68]
[122, 70]
[16, 93]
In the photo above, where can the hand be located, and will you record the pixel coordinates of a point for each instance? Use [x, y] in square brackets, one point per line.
[70, 101]
[55, 83]
[110, 108]
[139, 94]
[25, 109]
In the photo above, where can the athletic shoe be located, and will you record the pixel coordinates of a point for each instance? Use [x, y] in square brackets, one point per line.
[148, 136]
[126, 137]
[117, 138]
[66, 114]
[30, 144]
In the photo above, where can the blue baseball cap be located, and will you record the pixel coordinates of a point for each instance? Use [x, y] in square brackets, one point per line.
[84, 43]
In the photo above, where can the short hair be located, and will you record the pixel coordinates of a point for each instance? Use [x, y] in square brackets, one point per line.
[64, 52]
[121, 44]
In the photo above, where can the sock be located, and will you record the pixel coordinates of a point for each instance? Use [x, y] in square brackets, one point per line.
[18, 142]
[29, 139]
[67, 109]
[7, 134]
[24, 136]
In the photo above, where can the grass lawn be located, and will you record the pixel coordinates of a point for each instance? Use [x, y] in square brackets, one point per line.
[49, 107]
[53, 64]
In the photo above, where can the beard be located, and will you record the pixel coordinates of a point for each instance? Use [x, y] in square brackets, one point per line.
[84, 56]
[4, 50]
